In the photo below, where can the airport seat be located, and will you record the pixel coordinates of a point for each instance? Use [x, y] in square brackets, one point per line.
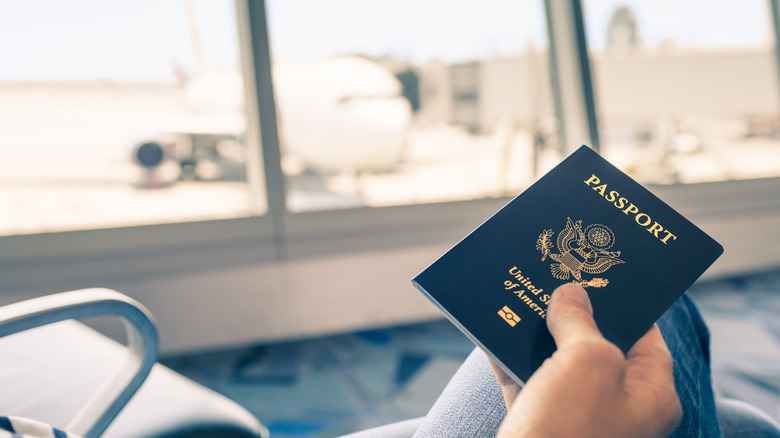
[59, 371]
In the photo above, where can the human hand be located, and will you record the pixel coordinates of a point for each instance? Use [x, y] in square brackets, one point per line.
[588, 388]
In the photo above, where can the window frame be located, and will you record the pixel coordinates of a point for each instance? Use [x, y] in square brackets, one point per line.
[39, 262]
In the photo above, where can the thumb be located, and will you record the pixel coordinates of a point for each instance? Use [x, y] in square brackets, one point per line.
[570, 315]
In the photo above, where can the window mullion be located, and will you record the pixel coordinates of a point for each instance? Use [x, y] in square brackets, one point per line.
[266, 106]
[570, 75]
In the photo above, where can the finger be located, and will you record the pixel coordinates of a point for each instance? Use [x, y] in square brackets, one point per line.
[509, 387]
[651, 345]
[570, 315]
[650, 359]
[651, 372]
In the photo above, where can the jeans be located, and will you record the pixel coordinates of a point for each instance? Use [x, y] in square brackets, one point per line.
[472, 404]
[688, 339]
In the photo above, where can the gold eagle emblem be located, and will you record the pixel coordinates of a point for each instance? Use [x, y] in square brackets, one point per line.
[580, 251]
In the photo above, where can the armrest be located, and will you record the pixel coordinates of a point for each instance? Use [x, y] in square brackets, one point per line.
[95, 416]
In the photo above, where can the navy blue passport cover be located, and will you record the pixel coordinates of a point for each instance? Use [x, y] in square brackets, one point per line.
[587, 222]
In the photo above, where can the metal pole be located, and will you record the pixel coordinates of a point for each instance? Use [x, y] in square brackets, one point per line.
[775, 8]
[571, 75]
[269, 132]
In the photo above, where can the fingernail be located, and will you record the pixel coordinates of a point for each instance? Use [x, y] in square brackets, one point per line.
[573, 292]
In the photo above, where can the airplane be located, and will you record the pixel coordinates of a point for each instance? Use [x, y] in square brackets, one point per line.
[336, 114]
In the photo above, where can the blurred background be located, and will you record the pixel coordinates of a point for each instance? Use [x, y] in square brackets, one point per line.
[134, 114]
[266, 172]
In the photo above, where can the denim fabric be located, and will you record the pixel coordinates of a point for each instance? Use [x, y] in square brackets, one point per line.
[401, 429]
[472, 404]
[688, 339]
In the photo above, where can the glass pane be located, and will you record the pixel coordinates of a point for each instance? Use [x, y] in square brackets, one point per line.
[394, 102]
[119, 114]
[686, 91]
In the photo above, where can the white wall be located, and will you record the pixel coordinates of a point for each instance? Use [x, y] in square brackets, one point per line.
[341, 286]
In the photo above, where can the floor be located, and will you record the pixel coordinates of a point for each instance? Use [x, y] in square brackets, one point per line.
[743, 315]
[334, 385]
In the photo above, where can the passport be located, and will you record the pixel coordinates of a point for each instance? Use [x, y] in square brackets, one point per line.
[584, 222]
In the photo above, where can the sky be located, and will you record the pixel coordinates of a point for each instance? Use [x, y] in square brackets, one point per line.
[147, 40]
[138, 40]
[691, 23]
[410, 30]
